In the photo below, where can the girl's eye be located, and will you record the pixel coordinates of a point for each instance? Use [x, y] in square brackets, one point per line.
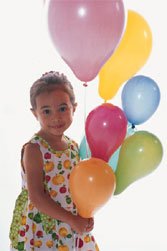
[63, 109]
[46, 111]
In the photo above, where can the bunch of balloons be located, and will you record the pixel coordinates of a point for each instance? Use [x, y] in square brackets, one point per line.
[93, 39]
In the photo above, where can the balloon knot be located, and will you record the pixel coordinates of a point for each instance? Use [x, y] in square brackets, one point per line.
[133, 126]
[85, 84]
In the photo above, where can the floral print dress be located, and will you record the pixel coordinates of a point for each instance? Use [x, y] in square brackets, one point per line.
[32, 230]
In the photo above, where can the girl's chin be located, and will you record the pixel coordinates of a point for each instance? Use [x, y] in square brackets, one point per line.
[57, 132]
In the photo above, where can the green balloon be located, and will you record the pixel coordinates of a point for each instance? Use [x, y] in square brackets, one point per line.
[139, 155]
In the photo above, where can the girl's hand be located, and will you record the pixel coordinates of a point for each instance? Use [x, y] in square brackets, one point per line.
[81, 225]
[90, 225]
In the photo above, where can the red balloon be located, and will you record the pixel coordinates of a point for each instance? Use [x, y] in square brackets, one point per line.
[105, 130]
[85, 33]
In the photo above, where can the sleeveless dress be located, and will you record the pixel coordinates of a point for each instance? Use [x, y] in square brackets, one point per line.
[32, 230]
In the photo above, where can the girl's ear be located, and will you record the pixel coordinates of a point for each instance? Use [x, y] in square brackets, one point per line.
[74, 107]
[34, 113]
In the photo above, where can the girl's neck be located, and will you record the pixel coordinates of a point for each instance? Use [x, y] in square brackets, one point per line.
[57, 142]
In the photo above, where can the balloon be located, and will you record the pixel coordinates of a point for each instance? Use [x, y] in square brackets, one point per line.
[85, 153]
[85, 33]
[140, 154]
[140, 99]
[113, 161]
[130, 55]
[105, 129]
[92, 183]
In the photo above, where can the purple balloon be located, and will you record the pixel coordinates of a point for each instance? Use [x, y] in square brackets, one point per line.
[85, 33]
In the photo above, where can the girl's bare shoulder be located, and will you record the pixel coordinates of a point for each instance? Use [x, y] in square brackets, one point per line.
[31, 152]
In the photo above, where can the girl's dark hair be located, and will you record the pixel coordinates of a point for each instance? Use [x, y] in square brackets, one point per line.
[49, 82]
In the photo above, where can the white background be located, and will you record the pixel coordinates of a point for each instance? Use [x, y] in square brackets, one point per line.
[136, 219]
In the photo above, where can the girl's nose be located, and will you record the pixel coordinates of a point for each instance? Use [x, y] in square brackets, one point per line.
[56, 116]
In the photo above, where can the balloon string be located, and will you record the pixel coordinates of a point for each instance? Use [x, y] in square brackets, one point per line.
[85, 115]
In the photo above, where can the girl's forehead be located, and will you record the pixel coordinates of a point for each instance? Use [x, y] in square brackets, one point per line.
[53, 97]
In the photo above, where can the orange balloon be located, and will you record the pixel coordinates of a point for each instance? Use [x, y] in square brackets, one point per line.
[92, 183]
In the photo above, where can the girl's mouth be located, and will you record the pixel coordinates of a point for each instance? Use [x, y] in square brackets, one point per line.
[57, 126]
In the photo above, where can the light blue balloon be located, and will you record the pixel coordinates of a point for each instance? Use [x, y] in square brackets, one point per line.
[84, 150]
[85, 153]
[140, 99]
[113, 161]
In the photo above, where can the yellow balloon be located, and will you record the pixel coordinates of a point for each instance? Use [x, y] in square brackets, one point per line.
[130, 55]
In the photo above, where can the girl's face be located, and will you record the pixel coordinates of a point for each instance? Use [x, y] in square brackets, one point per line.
[54, 111]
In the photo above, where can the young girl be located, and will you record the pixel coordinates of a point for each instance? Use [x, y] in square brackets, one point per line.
[45, 218]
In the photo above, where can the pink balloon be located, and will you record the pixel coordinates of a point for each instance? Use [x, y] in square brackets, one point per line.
[85, 33]
[105, 130]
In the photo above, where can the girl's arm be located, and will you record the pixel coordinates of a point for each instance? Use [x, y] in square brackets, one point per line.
[33, 167]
